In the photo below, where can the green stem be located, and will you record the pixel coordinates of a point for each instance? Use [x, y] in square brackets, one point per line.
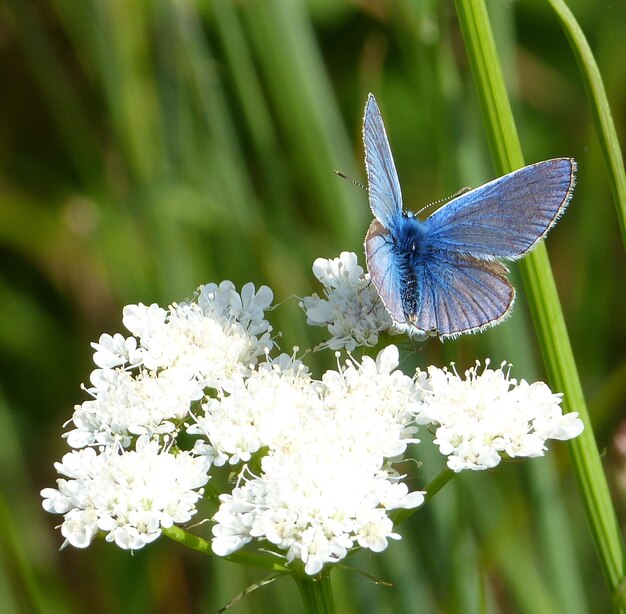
[244, 558]
[316, 592]
[442, 478]
[596, 94]
[543, 298]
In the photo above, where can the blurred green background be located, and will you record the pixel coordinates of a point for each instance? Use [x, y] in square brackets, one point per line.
[147, 147]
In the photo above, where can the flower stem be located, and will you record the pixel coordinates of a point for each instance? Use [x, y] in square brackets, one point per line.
[316, 592]
[543, 298]
[444, 476]
[244, 558]
[436, 484]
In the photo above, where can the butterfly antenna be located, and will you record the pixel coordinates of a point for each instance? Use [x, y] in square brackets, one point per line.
[443, 200]
[344, 176]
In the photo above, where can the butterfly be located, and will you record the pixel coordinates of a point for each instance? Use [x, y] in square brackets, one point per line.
[441, 276]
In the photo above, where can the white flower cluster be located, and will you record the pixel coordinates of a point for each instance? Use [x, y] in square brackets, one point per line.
[127, 481]
[129, 495]
[488, 414]
[314, 457]
[217, 335]
[352, 310]
[326, 483]
[146, 383]
[256, 412]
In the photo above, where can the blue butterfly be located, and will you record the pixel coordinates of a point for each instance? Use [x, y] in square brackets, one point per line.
[441, 275]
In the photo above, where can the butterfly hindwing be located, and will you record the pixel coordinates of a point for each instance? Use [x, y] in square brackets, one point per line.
[383, 186]
[459, 294]
[384, 269]
[506, 217]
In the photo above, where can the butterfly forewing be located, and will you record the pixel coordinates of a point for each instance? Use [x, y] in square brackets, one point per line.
[383, 185]
[506, 217]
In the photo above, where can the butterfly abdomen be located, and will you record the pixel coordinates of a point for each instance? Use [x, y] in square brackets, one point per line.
[410, 247]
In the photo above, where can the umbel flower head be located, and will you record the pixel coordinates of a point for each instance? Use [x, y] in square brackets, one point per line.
[213, 337]
[128, 478]
[489, 414]
[128, 495]
[324, 446]
[147, 383]
[195, 387]
[326, 483]
[352, 310]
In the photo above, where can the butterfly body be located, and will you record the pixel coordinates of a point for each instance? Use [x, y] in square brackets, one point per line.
[442, 275]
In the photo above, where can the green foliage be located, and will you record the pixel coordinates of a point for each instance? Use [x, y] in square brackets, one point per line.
[543, 298]
[149, 147]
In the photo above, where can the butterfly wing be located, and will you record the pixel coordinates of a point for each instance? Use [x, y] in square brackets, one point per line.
[383, 185]
[506, 217]
[453, 293]
[446, 292]
[384, 269]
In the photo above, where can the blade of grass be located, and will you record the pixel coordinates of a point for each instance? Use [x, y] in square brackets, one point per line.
[255, 111]
[543, 298]
[127, 68]
[599, 104]
[494, 514]
[547, 506]
[59, 91]
[304, 102]
[548, 502]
